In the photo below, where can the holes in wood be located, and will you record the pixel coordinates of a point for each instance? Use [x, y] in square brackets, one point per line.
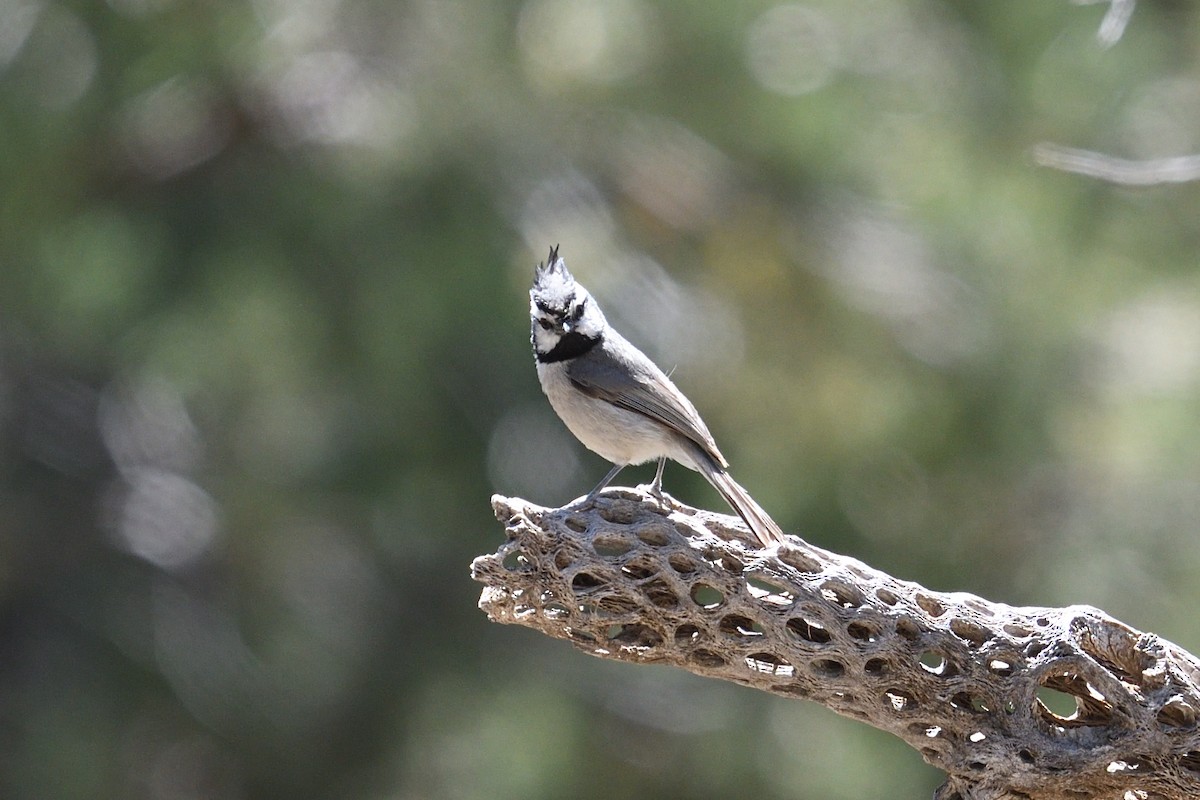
[828, 668]
[617, 604]
[930, 605]
[973, 703]
[730, 564]
[639, 570]
[740, 628]
[660, 594]
[935, 663]
[584, 582]
[707, 597]
[1177, 713]
[611, 545]
[876, 667]
[863, 631]
[970, 632]
[1117, 649]
[1001, 666]
[770, 664]
[724, 561]
[686, 634]
[908, 629]
[1191, 761]
[682, 564]
[770, 593]
[979, 607]
[634, 635]
[843, 594]
[1066, 700]
[1017, 631]
[799, 560]
[555, 611]
[617, 514]
[516, 561]
[613, 631]
[925, 729]
[900, 700]
[859, 573]
[808, 630]
[932, 662]
[655, 535]
[887, 597]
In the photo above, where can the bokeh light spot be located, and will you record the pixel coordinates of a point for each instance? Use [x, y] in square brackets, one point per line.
[792, 49]
[166, 519]
[602, 41]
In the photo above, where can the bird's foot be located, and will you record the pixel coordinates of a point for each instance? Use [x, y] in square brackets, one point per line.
[655, 486]
[583, 503]
[654, 490]
[664, 500]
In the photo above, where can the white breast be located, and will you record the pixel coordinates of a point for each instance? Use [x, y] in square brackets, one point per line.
[622, 437]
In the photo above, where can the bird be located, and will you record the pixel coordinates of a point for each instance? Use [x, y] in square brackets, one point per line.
[616, 401]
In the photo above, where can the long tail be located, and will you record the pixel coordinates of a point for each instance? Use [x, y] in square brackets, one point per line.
[760, 522]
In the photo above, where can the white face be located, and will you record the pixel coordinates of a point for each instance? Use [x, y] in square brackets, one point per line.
[559, 306]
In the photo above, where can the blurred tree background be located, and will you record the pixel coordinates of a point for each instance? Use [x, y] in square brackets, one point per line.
[264, 357]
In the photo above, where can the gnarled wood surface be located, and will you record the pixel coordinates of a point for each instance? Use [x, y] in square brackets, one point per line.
[954, 675]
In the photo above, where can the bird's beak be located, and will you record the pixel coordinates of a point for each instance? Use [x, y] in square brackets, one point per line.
[566, 327]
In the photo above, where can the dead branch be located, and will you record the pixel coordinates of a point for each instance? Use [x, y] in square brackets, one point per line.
[1122, 171]
[953, 675]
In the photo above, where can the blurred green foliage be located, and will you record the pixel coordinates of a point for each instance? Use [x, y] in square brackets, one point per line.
[264, 356]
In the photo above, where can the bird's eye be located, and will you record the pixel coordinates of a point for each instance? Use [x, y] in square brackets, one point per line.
[577, 313]
[545, 323]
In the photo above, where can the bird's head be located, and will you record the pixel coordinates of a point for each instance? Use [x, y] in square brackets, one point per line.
[560, 307]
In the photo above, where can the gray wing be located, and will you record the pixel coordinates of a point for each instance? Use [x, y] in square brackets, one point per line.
[634, 383]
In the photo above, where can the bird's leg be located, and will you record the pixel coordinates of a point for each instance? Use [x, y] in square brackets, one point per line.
[612, 473]
[656, 486]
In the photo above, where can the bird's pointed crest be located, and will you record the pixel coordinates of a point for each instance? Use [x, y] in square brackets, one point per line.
[553, 264]
[553, 285]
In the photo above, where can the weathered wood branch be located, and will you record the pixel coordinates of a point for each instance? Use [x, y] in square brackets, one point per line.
[953, 675]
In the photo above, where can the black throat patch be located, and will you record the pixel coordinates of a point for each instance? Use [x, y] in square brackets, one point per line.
[573, 345]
